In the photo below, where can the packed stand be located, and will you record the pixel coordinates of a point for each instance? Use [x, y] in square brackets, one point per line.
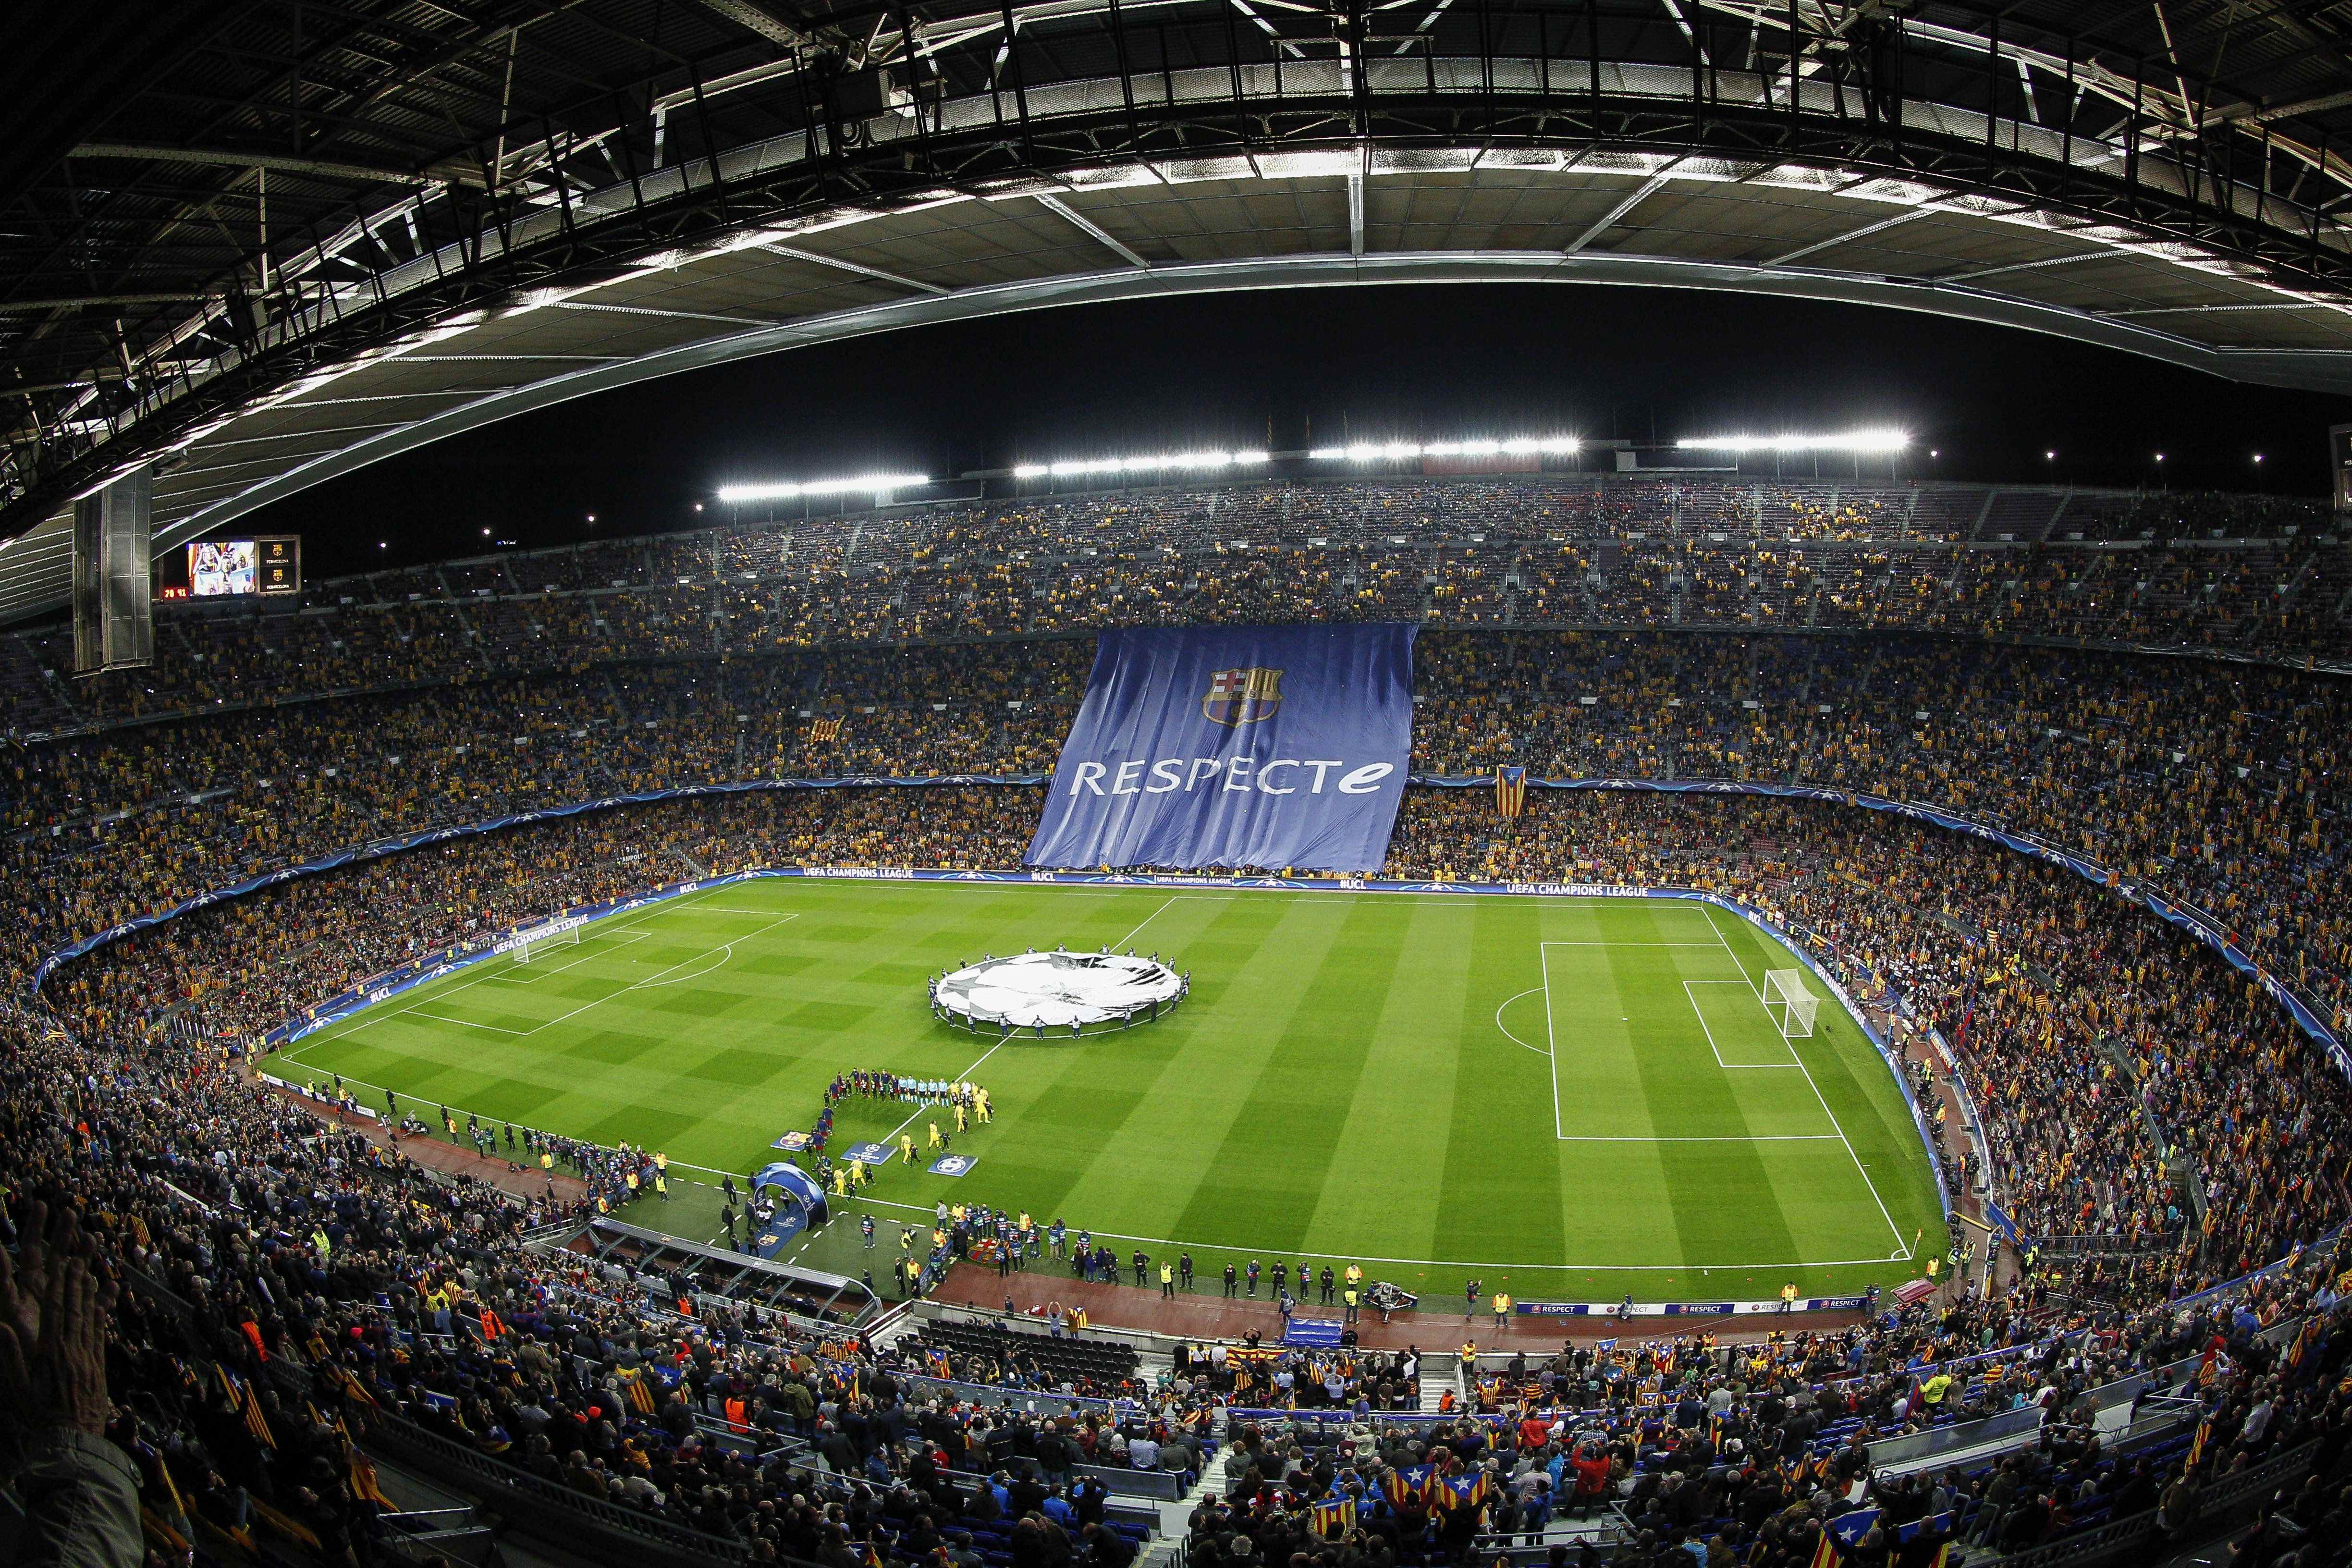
[2244, 575]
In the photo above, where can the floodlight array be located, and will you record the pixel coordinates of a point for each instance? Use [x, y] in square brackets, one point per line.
[1850, 441]
[787, 489]
[1159, 463]
[1404, 451]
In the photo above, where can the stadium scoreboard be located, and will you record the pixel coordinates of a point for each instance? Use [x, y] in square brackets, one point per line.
[228, 568]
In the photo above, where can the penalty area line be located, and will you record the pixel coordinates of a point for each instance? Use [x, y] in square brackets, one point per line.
[368, 1017]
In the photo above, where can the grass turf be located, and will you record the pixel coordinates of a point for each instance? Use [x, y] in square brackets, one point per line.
[1566, 1098]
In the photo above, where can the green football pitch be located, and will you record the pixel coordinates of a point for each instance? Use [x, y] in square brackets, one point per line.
[1571, 1099]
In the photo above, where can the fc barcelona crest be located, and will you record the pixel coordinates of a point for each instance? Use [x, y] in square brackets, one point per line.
[1242, 696]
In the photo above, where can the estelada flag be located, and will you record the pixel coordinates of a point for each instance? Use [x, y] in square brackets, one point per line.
[1333, 1517]
[363, 1482]
[1466, 1490]
[632, 1384]
[1510, 790]
[1404, 1487]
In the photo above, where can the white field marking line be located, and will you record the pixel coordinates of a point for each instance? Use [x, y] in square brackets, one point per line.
[1707, 911]
[1902, 1248]
[469, 1023]
[723, 954]
[1731, 1067]
[1507, 1033]
[728, 910]
[507, 977]
[1287, 1251]
[369, 1017]
[963, 1076]
[1551, 1033]
[1147, 919]
[403, 1012]
[928, 1210]
[1711, 1138]
[1604, 942]
[657, 976]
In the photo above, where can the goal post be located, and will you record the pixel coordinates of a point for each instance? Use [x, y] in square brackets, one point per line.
[1790, 1002]
[531, 942]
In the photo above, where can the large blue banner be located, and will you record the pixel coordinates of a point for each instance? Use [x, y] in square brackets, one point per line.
[1267, 746]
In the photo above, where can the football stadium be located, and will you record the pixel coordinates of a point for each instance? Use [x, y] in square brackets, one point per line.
[1176, 785]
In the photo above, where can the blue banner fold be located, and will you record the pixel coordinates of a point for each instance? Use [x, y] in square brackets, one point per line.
[1273, 747]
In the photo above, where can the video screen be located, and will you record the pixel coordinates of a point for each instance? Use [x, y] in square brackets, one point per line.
[223, 568]
[219, 568]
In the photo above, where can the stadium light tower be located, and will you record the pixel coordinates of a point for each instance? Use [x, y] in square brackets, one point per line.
[881, 487]
[1151, 465]
[795, 489]
[1884, 441]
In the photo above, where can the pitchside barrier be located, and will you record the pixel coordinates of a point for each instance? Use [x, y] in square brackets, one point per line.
[2205, 927]
[1687, 1308]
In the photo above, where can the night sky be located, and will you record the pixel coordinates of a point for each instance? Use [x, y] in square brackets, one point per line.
[1280, 368]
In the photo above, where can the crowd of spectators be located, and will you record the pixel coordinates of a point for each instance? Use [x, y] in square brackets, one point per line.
[2138, 1095]
[2134, 1088]
[2117, 1063]
[2225, 785]
[1718, 1455]
[272, 1235]
[2244, 575]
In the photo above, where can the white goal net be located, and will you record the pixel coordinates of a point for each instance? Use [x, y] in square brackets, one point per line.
[1790, 1002]
[528, 945]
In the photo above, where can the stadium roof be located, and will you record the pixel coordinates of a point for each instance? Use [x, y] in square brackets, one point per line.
[262, 244]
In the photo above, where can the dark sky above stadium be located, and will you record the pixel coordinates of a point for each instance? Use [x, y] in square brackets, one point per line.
[1428, 363]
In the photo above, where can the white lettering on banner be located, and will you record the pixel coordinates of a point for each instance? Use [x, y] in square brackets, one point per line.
[1241, 775]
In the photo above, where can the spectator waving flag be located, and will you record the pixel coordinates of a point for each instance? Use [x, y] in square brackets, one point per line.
[1333, 1517]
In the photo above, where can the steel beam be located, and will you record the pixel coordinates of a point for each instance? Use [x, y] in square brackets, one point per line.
[2317, 369]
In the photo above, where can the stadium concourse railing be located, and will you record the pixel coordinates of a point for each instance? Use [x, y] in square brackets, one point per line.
[2233, 1500]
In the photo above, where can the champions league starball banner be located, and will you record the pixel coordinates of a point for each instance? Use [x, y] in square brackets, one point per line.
[1268, 746]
